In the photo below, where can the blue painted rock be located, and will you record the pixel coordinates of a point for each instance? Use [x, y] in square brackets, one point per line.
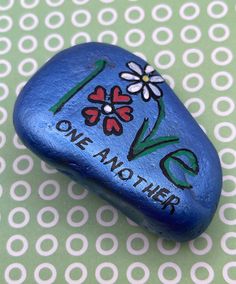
[108, 120]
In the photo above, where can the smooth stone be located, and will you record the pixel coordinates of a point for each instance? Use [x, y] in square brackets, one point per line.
[107, 119]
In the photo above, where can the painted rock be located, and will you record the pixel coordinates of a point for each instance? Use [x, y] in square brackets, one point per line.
[108, 120]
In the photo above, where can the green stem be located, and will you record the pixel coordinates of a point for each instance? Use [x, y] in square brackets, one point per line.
[142, 146]
[161, 115]
[100, 65]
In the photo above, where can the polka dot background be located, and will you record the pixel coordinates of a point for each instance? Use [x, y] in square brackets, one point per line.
[54, 231]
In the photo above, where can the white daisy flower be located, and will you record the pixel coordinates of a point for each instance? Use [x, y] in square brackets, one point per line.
[143, 80]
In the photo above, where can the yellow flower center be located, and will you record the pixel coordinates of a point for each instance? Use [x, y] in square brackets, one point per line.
[145, 78]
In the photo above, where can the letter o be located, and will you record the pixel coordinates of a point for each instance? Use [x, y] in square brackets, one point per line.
[121, 175]
[67, 122]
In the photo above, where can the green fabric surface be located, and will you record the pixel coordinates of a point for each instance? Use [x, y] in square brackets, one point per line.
[54, 231]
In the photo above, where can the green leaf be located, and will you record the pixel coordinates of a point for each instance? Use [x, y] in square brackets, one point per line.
[189, 166]
[141, 133]
[150, 145]
[145, 142]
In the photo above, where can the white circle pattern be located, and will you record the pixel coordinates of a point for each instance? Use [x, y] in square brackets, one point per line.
[2, 139]
[132, 43]
[165, 251]
[19, 159]
[130, 10]
[30, 5]
[13, 212]
[141, 251]
[138, 265]
[23, 63]
[15, 185]
[52, 250]
[224, 243]
[110, 266]
[82, 35]
[193, 51]
[20, 252]
[223, 74]
[200, 104]
[8, 44]
[110, 11]
[47, 169]
[204, 250]
[186, 29]
[107, 223]
[78, 223]
[219, 100]
[228, 125]
[228, 53]
[193, 76]
[34, 44]
[55, 3]
[15, 266]
[218, 15]
[187, 17]
[159, 7]
[200, 265]
[161, 30]
[3, 115]
[69, 248]
[76, 196]
[4, 94]
[49, 19]
[44, 185]
[50, 224]
[225, 271]
[165, 266]
[107, 251]
[73, 266]
[111, 34]
[45, 266]
[17, 143]
[7, 68]
[223, 27]
[229, 193]
[25, 18]
[87, 20]
[48, 42]
[222, 210]
[20, 87]
[163, 53]
[8, 21]
[227, 165]
[8, 6]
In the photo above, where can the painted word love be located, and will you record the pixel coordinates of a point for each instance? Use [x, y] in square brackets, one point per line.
[113, 108]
